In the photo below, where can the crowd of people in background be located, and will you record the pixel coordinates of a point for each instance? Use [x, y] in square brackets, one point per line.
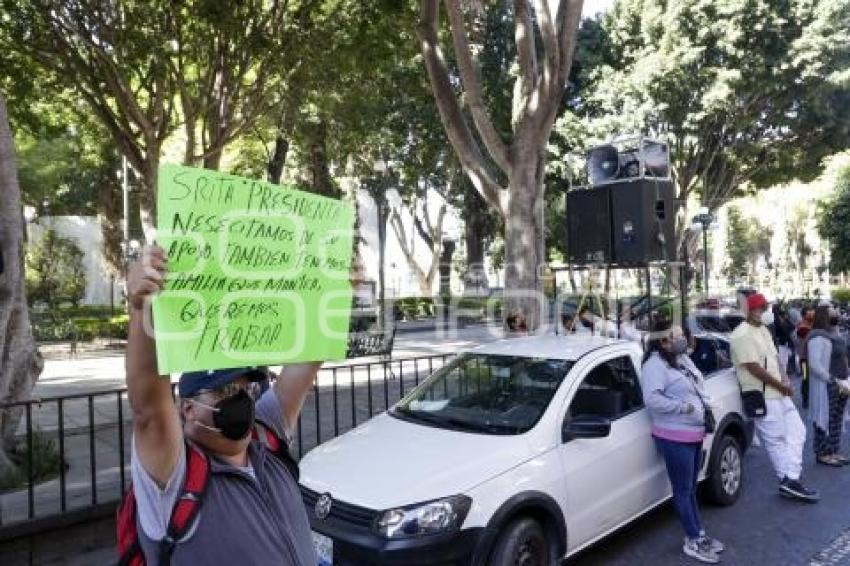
[777, 351]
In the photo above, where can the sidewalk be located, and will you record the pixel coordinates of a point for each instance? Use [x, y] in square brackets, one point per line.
[98, 369]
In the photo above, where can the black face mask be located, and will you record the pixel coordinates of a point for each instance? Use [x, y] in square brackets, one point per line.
[233, 416]
[833, 321]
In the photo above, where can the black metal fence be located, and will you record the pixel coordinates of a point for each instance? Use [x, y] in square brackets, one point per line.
[91, 433]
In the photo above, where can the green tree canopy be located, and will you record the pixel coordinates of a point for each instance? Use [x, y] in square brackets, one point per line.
[748, 93]
[834, 223]
[746, 241]
[54, 271]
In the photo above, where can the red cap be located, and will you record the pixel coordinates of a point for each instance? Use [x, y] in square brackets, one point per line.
[756, 301]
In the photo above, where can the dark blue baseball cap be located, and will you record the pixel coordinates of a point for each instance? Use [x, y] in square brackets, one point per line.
[193, 382]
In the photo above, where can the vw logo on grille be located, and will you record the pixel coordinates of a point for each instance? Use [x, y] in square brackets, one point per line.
[323, 507]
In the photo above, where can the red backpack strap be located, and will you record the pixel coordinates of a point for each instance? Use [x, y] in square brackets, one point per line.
[129, 547]
[189, 502]
[267, 436]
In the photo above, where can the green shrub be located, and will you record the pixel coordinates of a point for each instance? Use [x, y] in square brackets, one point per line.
[88, 329]
[92, 311]
[81, 329]
[472, 303]
[46, 463]
[841, 295]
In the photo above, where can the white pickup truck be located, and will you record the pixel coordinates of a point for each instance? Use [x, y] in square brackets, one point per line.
[521, 451]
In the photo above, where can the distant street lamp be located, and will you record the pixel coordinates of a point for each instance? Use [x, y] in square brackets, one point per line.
[702, 221]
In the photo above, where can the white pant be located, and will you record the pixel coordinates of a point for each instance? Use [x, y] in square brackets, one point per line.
[784, 356]
[783, 434]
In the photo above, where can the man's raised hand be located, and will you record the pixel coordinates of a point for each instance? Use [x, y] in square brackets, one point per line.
[146, 276]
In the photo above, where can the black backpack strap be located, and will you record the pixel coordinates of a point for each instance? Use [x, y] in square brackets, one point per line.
[188, 504]
[267, 436]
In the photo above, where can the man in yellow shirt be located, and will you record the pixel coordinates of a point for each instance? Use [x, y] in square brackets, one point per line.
[780, 429]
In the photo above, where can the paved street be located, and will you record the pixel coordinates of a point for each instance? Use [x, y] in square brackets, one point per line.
[762, 529]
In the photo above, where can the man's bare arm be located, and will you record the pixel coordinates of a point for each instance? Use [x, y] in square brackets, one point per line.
[762, 375]
[292, 386]
[156, 426]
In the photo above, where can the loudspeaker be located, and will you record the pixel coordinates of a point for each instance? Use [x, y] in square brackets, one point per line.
[589, 226]
[603, 164]
[643, 221]
[630, 158]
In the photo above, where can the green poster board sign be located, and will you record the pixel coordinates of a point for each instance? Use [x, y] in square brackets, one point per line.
[258, 274]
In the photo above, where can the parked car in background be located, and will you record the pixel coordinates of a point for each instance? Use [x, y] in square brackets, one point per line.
[521, 451]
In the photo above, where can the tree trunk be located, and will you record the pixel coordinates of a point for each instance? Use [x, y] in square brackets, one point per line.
[213, 160]
[278, 159]
[20, 361]
[523, 233]
[147, 196]
[448, 252]
[318, 173]
[475, 217]
[110, 224]
[542, 76]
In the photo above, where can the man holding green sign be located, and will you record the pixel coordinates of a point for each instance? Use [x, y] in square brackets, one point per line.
[247, 274]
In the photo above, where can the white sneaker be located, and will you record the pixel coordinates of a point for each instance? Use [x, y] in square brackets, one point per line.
[715, 545]
[700, 549]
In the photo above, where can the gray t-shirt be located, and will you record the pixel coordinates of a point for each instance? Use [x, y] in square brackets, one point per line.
[154, 504]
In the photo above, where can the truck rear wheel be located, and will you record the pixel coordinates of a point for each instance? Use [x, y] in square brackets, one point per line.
[725, 472]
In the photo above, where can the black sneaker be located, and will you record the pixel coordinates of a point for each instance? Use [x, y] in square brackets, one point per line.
[795, 490]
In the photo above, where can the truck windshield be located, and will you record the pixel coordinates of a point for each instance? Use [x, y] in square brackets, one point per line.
[485, 393]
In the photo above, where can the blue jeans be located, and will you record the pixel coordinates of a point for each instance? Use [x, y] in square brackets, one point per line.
[683, 468]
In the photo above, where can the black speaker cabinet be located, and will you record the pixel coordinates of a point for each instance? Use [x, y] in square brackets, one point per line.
[643, 221]
[626, 223]
[589, 226]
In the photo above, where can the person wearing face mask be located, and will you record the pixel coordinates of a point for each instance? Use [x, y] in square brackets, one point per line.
[803, 330]
[586, 321]
[581, 323]
[827, 355]
[766, 393]
[675, 396]
[782, 330]
[252, 511]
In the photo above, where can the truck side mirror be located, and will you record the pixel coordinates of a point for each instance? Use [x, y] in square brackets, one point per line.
[585, 426]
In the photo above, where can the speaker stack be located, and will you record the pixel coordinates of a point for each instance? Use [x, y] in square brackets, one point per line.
[626, 215]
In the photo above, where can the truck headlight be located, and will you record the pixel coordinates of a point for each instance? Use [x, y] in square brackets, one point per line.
[424, 519]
